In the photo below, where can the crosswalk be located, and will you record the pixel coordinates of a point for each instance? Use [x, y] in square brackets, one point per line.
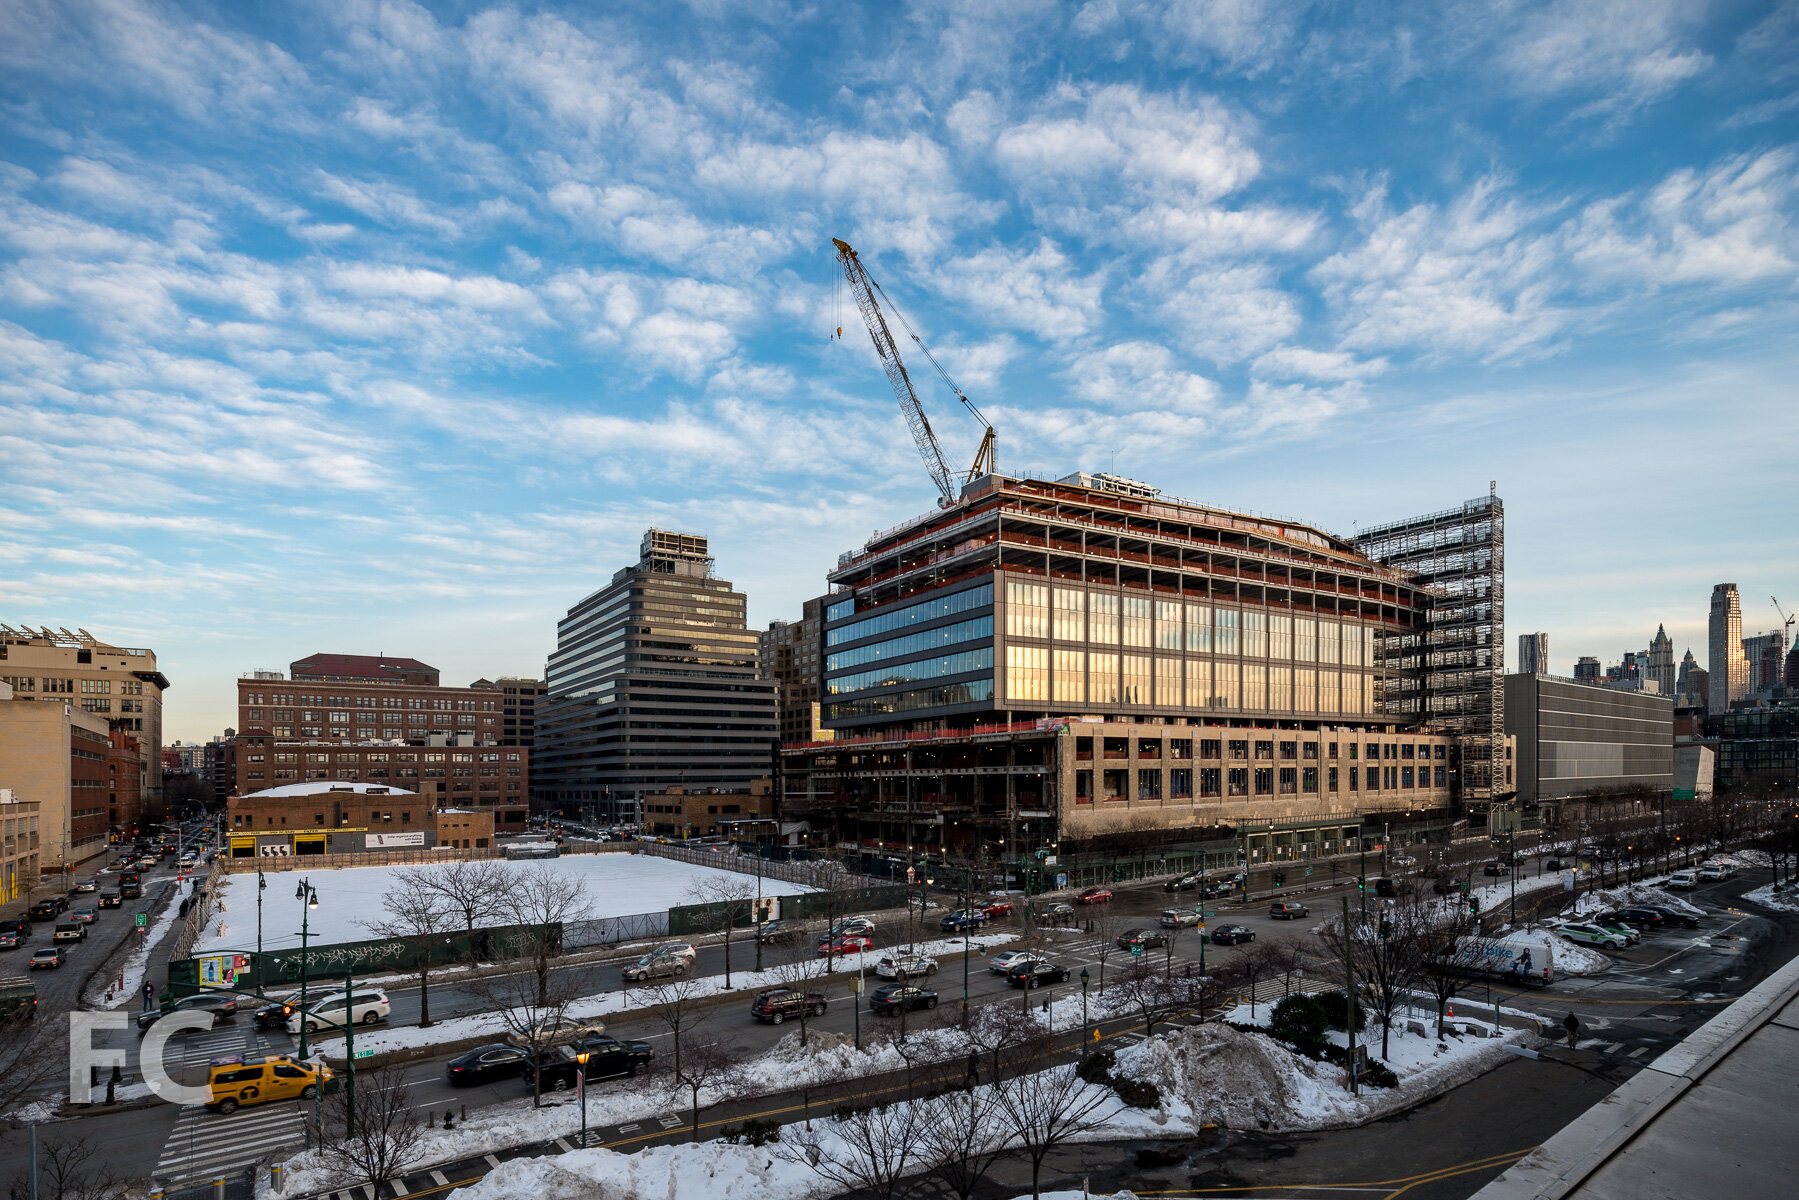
[205, 1145]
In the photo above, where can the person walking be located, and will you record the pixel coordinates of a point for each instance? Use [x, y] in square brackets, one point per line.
[149, 995]
[1572, 1024]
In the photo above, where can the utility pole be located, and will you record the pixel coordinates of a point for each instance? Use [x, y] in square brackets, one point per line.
[1355, 1079]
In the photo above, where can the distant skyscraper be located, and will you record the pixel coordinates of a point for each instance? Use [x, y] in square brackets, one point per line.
[1683, 683]
[1727, 670]
[1587, 668]
[1766, 658]
[1661, 661]
[1793, 669]
[1533, 654]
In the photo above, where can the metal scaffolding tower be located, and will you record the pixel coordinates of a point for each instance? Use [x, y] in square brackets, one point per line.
[1451, 672]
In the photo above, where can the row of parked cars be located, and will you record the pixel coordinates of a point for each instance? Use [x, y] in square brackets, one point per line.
[1623, 927]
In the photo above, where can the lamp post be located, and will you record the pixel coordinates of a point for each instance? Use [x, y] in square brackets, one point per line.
[967, 904]
[1084, 978]
[262, 885]
[310, 895]
[581, 1091]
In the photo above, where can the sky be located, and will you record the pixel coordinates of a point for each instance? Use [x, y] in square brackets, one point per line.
[382, 328]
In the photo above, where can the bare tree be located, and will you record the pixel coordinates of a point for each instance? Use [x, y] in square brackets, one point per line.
[1260, 960]
[384, 1134]
[1387, 954]
[802, 971]
[1450, 941]
[1008, 1036]
[1047, 1108]
[30, 1057]
[732, 897]
[530, 1015]
[680, 1004]
[473, 889]
[417, 911]
[66, 1171]
[960, 1133]
[542, 903]
[708, 1069]
[879, 1149]
[1145, 991]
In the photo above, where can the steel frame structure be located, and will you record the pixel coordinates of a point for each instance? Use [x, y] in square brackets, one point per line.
[1451, 672]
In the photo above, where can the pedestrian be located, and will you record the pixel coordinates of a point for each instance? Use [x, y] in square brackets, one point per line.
[974, 1069]
[1572, 1024]
[149, 995]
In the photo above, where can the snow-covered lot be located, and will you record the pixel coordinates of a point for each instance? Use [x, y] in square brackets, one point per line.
[618, 885]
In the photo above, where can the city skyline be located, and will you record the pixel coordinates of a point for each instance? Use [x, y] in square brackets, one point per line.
[390, 332]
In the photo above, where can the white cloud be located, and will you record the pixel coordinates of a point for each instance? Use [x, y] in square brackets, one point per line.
[1226, 313]
[1241, 34]
[1325, 366]
[1039, 291]
[1141, 376]
[1630, 52]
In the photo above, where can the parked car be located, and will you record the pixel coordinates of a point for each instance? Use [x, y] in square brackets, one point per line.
[1496, 868]
[962, 919]
[1554, 864]
[1673, 916]
[1723, 864]
[905, 966]
[69, 931]
[654, 966]
[1684, 881]
[364, 1006]
[1179, 918]
[1282, 911]
[222, 1007]
[1032, 974]
[47, 959]
[1141, 938]
[778, 1004]
[1617, 928]
[1184, 883]
[44, 910]
[853, 943]
[1590, 935]
[1710, 872]
[895, 998]
[995, 909]
[274, 1014]
[557, 1031]
[1056, 914]
[1094, 895]
[86, 885]
[234, 1080]
[1231, 935]
[852, 925]
[776, 932]
[681, 950]
[1641, 916]
[10, 940]
[1386, 886]
[553, 1069]
[999, 964]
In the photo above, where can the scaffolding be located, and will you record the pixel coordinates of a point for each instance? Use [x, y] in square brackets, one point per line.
[1450, 671]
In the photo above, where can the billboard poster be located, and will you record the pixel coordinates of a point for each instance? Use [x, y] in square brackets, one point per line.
[390, 841]
[222, 970]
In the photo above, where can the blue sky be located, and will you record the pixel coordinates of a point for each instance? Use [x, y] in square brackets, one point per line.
[372, 327]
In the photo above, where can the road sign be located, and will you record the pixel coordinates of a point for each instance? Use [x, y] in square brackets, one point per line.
[363, 1054]
[143, 919]
[1208, 912]
[1136, 951]
[1308, 870]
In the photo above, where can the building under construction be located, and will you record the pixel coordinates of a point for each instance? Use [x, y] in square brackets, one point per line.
[1046, 670]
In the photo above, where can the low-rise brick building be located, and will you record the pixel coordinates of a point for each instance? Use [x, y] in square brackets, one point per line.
[337, 817]
[709, 813]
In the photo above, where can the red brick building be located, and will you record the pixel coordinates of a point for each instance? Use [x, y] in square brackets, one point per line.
[123, 793]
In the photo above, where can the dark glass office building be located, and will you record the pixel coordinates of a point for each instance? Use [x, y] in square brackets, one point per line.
[653, 685]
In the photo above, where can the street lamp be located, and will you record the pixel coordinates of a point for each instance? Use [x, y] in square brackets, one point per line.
[1084, 978]
[262, 885]
[581, 1091]
[310, 895]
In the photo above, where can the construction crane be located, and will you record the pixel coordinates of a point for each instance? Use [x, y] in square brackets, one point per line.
[1785, 616]
[864, 287]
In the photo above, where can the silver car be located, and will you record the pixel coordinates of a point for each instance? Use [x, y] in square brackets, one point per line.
[655, 966]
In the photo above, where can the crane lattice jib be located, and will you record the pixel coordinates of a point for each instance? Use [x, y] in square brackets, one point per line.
[888, 352]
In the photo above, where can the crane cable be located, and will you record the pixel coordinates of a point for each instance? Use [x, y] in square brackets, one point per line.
[919, 342]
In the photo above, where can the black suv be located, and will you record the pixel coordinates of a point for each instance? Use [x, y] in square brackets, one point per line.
[1639, 918]
[777, 1004]
[1185, 883]
[553, 1070]
[1031, 974]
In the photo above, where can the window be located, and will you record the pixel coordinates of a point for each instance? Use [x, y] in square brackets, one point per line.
[1208, 781]
[1289, 750]
[1239, 748]
[1199, 627]
[911, 614]
[1168, 682]
[1255, 634]
[1255, 685]
[1333, 779]
[1027, 609]
[131, 706]
[1289, 781]
[1280, 635]
[1070, 615]
[1149, 785]
[1439, 776]
[1137, 625]
[1305, 639]
[1264, 749]
[1329, 699]
[1264, 781]
[1102, 618]
[1169, 634]
[1027, 671]
[97, 706]
[1308, 780]
[96, 687]
[1406, 750]
[1329, 647]
[131, 687]
[1070, 676]
[1199, 683]
[1225, 690]
[1224, 630]
[926, 668]
[1405, 776]
[979, 629]
[340, 718]
[1280, 688]
[1210, 747]
[1136, 679]
[1102, 676]
[1239, 781]
[59, 687]
[840, 609]
[1305, 689]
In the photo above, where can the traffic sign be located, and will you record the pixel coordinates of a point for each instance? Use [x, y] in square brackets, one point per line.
[143, 919]
[1308, 870]
[363, 1054]
[1136, 951]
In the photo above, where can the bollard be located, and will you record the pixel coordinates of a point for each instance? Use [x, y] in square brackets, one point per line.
[277, 1177]
[218, 1189]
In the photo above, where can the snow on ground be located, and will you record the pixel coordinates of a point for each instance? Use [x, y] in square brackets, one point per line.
[601, 1004]
[1647, 892]
[1785, 899]
[618, 885]
[103, 991]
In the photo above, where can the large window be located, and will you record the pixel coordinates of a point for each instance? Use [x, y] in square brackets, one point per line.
[1280, 635]
[1136, 679]
[975, 691]
[1027, 609]
[1102, 678]
[1330, 700]
[838, 609]
[1169, 634]
[1226, 692]
[1070, 615]
[1305, 689]
[1329, 643]
[979, 629]
[1225, 630]
[912, 614]
[1168, 682]
[1199, 683]
[1199, 627]
[1305, 639]
[1027, 674]
[1255, 686]
[1137, 613]
[1255, 634]
[926, 668]
[1102, 619]
[1070, 676]
[1280, 688]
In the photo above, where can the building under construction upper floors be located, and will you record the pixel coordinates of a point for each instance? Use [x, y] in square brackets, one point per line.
[986, 642]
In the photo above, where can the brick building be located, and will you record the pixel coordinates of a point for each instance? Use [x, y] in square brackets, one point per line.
[518, 707]
[56, 756]
[18, 845]
[336, 817]
[710, 813]
[464, 775]
[123, 795]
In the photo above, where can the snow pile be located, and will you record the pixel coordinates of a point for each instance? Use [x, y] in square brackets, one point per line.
[1219, 1075]
[1783, 899]
[1745, 858]
[1608, 899]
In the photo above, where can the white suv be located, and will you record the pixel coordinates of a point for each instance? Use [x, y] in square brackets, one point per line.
[1591, 935]
[1686, 881]
[364, 1006]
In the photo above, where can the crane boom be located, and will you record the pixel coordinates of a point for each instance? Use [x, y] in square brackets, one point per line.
[888, 352]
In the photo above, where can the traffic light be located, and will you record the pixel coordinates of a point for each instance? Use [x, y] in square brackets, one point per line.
[1361, 883]
[1473, 905]
[1280, 879]
[1386, 928]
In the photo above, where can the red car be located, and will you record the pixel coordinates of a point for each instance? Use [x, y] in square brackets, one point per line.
[849, 943]
[1094, 895]
[996, 909]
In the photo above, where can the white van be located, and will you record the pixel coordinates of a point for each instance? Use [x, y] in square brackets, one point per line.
[1686, 881]
[1519, 958]
[364, 1006]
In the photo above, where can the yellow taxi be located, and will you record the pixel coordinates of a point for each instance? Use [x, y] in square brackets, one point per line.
[235, 1080]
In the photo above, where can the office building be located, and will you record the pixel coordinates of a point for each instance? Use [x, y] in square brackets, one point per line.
[742, 816]
[1050, 667]
[1758, 749]
[518, 707]
[1586, 668]
[347, 818]
[1727, 670]
[19, 839]
[1533, 653]
[1577, 740]
[654, 683]
[1661, 661]
[219, 763]
[61, 758]
[119, 684]
[1792, 675]
[1765, 656]
[790, 657]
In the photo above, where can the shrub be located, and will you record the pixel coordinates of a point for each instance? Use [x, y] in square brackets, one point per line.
[752, 1133]
[1380, 1075]
[1338, 1011]
[1298, 1021]
[1096, 1066]
[1138, 1093]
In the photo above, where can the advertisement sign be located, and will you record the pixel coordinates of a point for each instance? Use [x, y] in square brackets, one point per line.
[276, 850]
[222, 970]
[389, 841]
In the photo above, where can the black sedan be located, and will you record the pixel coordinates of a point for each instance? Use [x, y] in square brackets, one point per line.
[1056, 914]
[900, 997]
[1673, 916]
[1145, 938]
[1646, 919]
[594, 1057]
[222, 1008]
[1185, 883]
[1032, 974]
[1231, 935]
[485, 1063]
